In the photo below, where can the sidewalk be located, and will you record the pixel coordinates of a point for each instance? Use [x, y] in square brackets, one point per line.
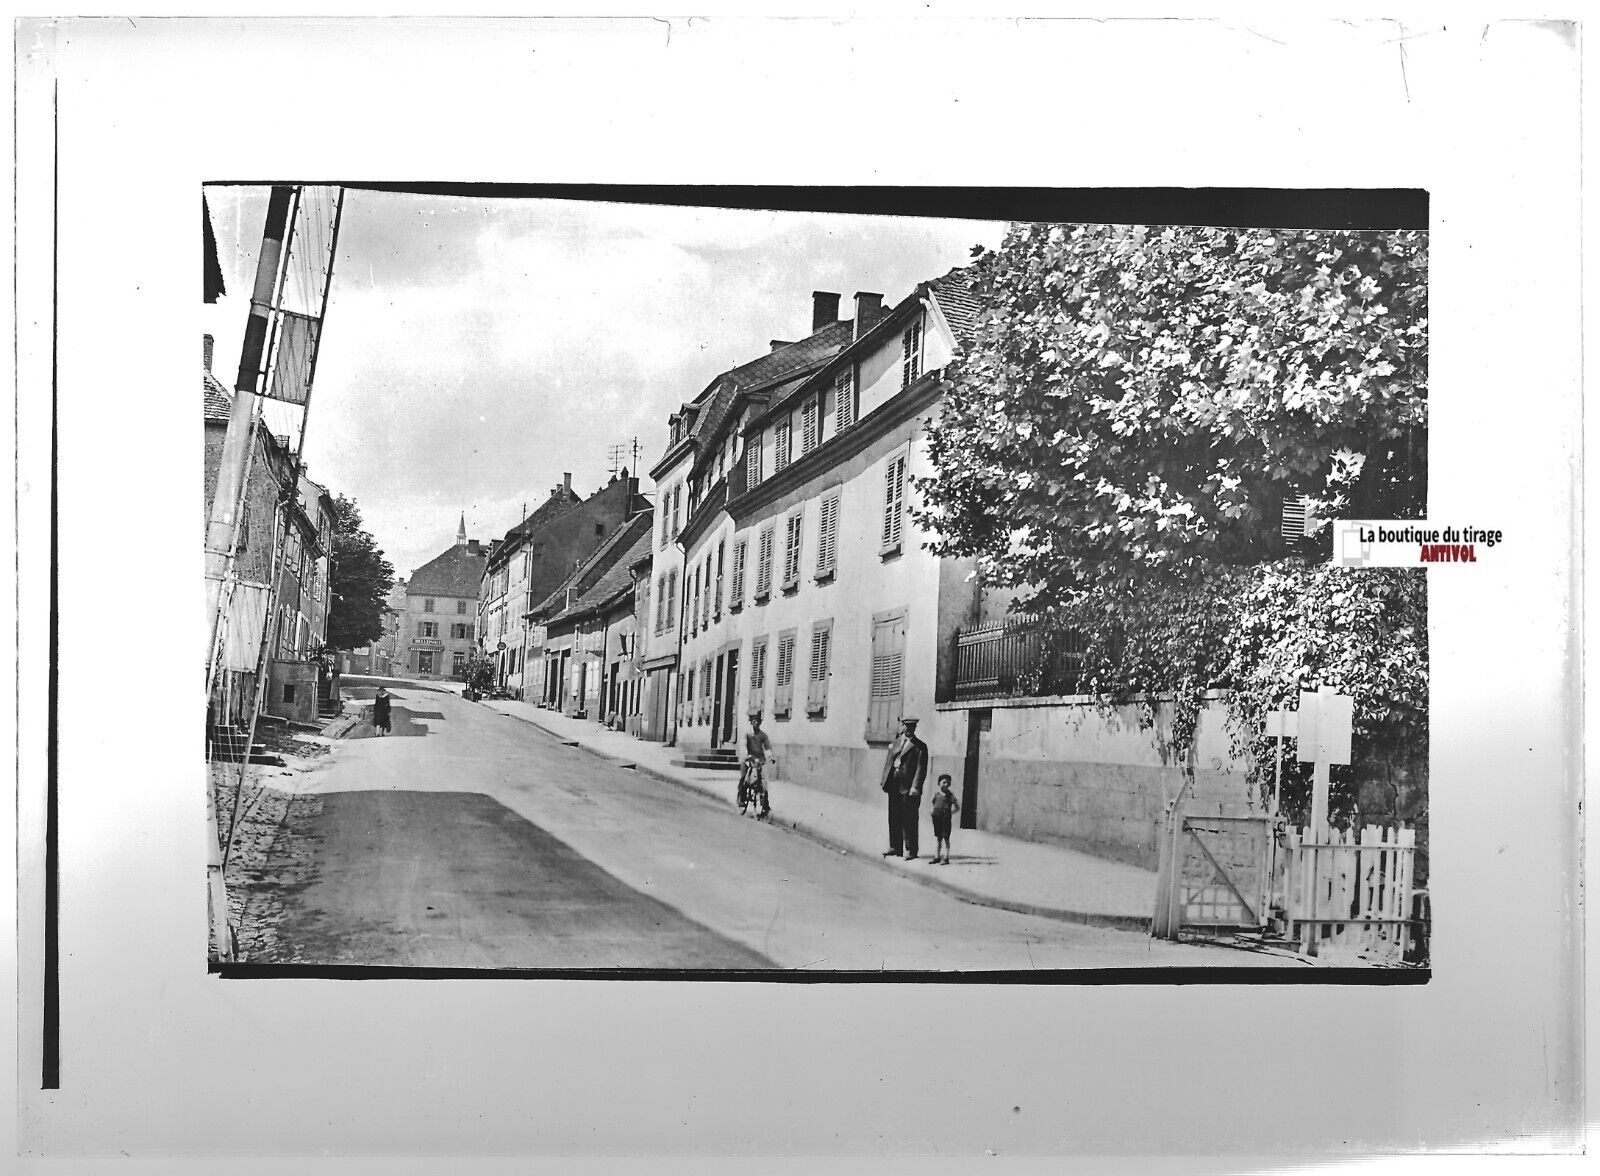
[985, 868]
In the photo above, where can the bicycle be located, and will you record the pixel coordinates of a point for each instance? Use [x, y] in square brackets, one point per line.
[753, 789]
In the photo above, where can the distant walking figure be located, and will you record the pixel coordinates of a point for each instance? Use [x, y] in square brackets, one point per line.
[380, 711]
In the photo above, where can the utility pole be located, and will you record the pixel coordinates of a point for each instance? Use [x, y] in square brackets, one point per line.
[222, 527]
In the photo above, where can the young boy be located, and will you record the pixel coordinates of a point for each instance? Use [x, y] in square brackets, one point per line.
[944, 803]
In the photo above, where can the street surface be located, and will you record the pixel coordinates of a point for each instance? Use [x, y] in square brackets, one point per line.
[468, 838]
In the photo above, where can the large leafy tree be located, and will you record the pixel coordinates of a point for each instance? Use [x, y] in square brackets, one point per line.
[361, 579]
[1117, 443]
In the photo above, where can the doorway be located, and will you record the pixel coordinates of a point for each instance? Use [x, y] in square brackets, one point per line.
[978, 724]
[718, 732]
[724, 711]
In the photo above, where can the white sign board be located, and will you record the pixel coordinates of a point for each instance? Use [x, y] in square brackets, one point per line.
[1325, 722]
[1282, 724]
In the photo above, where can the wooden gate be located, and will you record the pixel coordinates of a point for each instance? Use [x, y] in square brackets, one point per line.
[1222, 872]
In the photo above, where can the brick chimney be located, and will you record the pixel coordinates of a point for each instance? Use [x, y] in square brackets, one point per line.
[566, 483]
[824, 309]
[211, 346]
[869, 309]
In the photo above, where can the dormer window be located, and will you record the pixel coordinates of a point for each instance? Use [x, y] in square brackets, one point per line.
[911, 354]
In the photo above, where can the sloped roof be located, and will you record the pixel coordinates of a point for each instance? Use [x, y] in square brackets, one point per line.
[218, 402]
[456, 572]
[561, 500]
[711, 408]
[615, 580]
[956, 299]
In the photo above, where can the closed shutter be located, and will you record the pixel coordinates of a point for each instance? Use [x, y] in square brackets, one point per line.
[828, 535]
[672, 599]
[894, 494]
[694, 603]
[780, 444]
[758, 675]
[752, 462]
[888, 658]
[716, 607]
[791, 550]
[736, 588]
[809, 426]
[783, 682]
[844, 398]
[764, 566]
[817, 682]
[705, 596]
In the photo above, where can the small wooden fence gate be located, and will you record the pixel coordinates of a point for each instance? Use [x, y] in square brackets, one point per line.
[1348, 896]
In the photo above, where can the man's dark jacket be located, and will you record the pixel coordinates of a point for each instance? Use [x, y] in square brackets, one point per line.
[913, 768]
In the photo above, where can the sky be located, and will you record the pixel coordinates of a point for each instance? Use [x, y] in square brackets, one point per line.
[474, 350]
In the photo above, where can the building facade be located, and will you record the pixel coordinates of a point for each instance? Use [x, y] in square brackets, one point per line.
[438, 628]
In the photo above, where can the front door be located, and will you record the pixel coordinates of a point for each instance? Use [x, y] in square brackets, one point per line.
[719, 733]
[424, 662]
[978, 721]
[730, 692]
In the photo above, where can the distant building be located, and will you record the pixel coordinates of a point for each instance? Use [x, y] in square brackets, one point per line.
[438, 629]
[536, 556]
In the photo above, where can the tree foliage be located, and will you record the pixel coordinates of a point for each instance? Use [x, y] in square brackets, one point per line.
[1117, 442]
[360, 580]
[1139, 402]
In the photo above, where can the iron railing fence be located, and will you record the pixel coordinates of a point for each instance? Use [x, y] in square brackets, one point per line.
[1020, 658]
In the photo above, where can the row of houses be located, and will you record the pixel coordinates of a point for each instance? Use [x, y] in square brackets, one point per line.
[777, 570]
[296, 547]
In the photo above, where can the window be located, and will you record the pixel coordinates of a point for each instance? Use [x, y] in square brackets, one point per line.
[694, 603]
[821, 659]
[427, 605]
[752, 462]
[661, 602]
[810, 426]
[461, 632]
[911, 354]
[844, 399]
[599, 530]
[780, 443]
[736, 585]
[888, 660]
[894, 504]
[686, 705]
[716, 607]
[666, 517]
[791, 549]
[783, 680]
[461, 607]
[458, 662]
[427, 628]
[764, 566]
[288, 691]
[705, 598]
[758, 675]
[677, 503]
[672, 599]
[705, 690]
[828, 536]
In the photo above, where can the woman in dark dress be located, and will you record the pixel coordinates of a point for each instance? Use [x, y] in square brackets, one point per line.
[380, 712]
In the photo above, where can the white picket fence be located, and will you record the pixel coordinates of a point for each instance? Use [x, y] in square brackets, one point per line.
[1350, 895]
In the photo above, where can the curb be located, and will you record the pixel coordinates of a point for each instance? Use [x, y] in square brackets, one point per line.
[1058, 914]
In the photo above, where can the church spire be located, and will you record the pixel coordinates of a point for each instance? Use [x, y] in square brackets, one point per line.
[461, 532]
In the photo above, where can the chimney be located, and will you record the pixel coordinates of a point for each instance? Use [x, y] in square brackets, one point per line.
[777, 343]
[211, 346]
[869, 308]
[824, 309]
[473, 548]
[566, 483]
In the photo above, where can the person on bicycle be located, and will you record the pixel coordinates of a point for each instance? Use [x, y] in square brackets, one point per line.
[758, 751]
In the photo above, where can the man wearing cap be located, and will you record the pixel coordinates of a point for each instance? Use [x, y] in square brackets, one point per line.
[903, 773]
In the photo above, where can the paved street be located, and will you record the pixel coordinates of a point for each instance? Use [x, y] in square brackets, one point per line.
[470, 838]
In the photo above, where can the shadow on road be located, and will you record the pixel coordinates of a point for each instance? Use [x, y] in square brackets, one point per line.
[457, 879]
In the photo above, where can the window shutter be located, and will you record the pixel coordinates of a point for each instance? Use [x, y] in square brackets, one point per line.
[817, 684]
[736, 589]
[752, 462]
[911, 354]
[705, 600]
[888, 656]
[827, 535]
[758, 674]
[791, 550]
[764, 566]
[716, 608]
[780, 444]
[783, 683]
[894, 502]
[844, 398]
[672, 599]
[808, 427]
